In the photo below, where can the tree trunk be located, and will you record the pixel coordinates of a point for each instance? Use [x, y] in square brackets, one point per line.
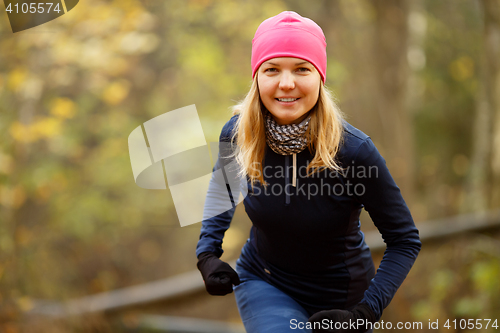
[492, 54]
[483, 180]
[390, 51]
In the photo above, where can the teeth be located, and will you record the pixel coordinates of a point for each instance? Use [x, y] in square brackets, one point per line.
[287, 99]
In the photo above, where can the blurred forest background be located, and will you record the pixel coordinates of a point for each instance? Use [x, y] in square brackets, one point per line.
[421, 77]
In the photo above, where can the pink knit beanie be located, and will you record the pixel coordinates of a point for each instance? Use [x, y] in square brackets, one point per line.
[289, 35]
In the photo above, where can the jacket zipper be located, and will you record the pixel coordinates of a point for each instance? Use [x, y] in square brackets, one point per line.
[287, 175]
[287, 179]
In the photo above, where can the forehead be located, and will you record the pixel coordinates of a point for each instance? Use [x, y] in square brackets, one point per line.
[288, 61]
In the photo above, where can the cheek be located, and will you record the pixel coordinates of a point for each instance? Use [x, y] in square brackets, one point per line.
[265, 89]
[312, 83]
[266, 82]
[313, 91]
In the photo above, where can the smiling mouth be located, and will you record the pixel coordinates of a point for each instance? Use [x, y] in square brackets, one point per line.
[287, 99]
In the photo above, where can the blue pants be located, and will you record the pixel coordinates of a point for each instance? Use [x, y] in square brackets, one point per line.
[266, 309]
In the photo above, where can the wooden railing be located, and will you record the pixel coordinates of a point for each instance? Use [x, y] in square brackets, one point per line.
[191, 282]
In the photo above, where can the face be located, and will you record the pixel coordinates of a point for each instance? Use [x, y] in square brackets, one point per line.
[289, 88]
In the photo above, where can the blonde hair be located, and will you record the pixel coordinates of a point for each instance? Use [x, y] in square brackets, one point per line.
[324, 134]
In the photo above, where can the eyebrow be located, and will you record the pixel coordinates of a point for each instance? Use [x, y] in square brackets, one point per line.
[297, 64]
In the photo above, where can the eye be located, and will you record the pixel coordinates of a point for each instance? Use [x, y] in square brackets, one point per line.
[303, 69]
[271, 70]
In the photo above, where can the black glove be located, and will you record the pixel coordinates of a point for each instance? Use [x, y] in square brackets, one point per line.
[347, 321]
[219, 277]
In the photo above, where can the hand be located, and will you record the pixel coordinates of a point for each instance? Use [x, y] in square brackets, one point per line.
[219, 277]
[347, 320]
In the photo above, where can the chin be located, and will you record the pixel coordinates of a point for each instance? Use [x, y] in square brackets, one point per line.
[289, 119]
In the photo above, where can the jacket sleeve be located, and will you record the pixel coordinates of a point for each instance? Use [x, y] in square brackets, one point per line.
[382, 199]
[219, 204]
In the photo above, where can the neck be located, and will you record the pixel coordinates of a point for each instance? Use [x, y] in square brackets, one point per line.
[296, 121]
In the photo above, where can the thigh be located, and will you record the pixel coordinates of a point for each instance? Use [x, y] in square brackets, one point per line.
[266, 309]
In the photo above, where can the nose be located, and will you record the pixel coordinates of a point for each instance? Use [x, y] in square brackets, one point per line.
[287, 81]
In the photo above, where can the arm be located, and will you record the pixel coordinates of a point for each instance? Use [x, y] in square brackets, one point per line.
[216, 219]
[376, 190]
[219, 207]
[218, 276]
[383, 201]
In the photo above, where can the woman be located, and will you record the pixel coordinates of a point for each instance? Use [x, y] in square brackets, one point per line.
[309, 173]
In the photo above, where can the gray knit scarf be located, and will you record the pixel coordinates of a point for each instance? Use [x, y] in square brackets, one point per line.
[286, 139]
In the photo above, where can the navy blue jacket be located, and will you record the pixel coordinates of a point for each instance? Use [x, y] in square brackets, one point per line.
[306, 239]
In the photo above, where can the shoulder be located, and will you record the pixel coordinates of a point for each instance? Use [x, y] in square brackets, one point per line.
[352, 132]
[354, 143]
[229, 129]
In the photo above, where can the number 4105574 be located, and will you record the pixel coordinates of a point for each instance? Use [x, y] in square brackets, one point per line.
[33, 8]
[471, 324]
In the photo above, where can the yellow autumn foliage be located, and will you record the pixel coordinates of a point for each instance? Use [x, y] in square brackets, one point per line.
[63, 108]
[46, 127]
[16, 78]
[116, 92]
[22, 133]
